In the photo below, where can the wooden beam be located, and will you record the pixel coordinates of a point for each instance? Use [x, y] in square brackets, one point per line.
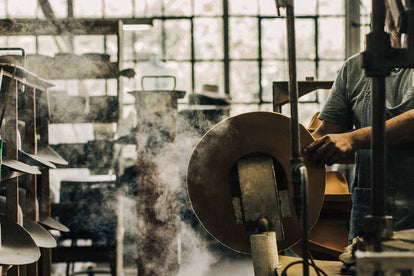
[79, 26]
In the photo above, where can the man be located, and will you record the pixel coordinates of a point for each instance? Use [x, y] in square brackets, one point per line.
[345, 134]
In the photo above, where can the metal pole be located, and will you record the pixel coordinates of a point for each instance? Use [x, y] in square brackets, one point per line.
[378, 151]
[293, 94]
[298, 171]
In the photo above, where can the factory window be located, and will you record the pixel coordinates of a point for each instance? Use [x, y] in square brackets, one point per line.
[238, 45]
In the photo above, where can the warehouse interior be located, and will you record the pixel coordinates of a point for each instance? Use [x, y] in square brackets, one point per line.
[105, 105]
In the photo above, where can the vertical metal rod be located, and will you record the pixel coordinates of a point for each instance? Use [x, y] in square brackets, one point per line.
[378, 15]
[305, 221]
[293, 88]
[378, 149]
[226, 47]
[298, 178]
[409, 10]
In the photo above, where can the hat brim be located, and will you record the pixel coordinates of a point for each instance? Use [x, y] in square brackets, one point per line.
[17, 246]
[211, 163]
[40, 235]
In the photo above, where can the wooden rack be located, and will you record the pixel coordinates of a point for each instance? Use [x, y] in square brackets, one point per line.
[24, 96]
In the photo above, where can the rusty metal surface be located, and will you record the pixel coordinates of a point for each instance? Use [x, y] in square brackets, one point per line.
[210, 166]
[17, 246]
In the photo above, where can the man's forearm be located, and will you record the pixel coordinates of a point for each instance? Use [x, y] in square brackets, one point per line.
[399, 130]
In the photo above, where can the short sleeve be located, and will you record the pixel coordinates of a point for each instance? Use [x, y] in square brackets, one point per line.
[337, 108]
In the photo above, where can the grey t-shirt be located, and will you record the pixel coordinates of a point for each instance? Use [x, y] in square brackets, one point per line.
[349, 104]
[348, 96]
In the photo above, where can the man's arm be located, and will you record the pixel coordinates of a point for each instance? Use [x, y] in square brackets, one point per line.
[334, 145]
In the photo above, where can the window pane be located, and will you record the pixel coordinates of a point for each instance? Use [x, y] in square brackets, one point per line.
[92, 87]
[112, 47]
[331, 38]
[182, 73]
[90, 8]
[208, 7]
[209, 73]
[28, 43]
[22, 8]
[60, 7]
[147, 8]
[305, 38]
[3, 9]
[85, 44]
[274, 44]
[129, 38]
[328, 70]
[149, 41]
[307, 7]
[331, 7]
[244, 79]
[279, 69]
[305, 69]
[270, 73]
[118, 8]
[178, 39]
[47, 45]
[177, 7]
[208, 37]
[266, 107]
[154, 67]
[243, 7]
[267, 7]
[236, 109]
[240, 30]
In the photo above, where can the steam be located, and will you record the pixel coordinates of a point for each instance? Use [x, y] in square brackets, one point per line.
[165, 143]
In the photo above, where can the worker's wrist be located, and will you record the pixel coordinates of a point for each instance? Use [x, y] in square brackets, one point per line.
[359, 139]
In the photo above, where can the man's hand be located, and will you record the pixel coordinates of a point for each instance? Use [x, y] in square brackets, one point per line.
[331, 149]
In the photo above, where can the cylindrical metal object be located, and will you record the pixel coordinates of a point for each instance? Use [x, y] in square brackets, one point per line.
[378, 15]
[378, 139]
[264, 253]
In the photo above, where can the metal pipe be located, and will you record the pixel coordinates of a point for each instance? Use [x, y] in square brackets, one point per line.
[378, 15]
[293, 86]
[378, 148]
[298, 171]
[409, 10]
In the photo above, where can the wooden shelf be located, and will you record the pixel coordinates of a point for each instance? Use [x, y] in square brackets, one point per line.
[281, 90]
[78, 70]
[76, 26]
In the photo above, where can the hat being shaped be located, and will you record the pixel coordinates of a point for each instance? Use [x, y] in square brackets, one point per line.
[210, 174]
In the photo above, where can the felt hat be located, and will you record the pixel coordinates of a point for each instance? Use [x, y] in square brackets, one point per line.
[209, 175]
[40, 235]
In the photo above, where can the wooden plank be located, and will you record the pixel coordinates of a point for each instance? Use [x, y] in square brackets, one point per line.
[281, 90]
[65, 26]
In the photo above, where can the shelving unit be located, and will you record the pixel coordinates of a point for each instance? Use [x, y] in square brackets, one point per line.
[75, 67]
[24, 98]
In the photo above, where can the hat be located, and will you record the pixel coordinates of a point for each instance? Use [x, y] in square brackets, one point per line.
[17, 246]
[40, 235]
[213, 159]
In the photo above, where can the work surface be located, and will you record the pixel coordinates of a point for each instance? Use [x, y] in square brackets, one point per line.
[330, 267]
